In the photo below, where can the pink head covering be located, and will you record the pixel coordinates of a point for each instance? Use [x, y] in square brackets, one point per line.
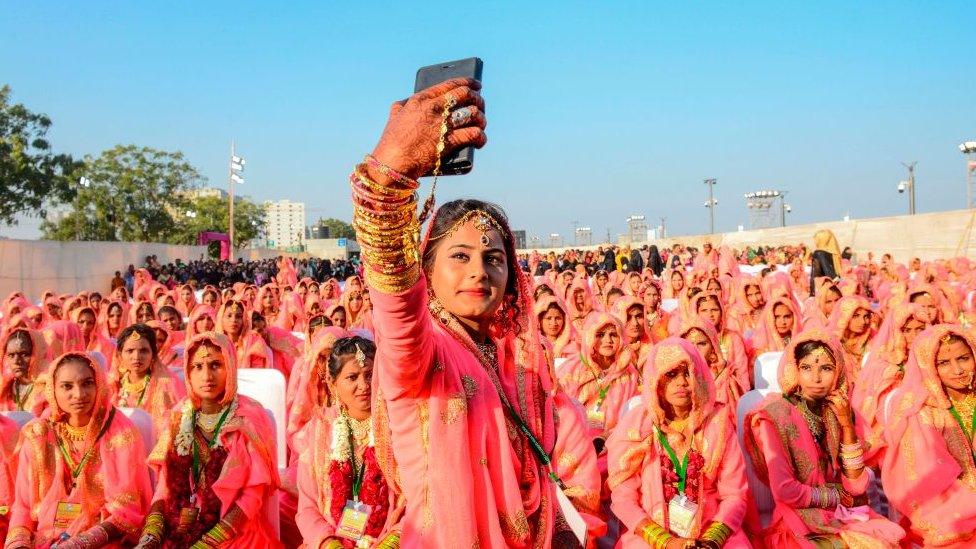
[62, 336]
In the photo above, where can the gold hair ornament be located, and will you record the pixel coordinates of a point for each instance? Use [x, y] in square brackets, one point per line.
[360, 356]
[483, 222]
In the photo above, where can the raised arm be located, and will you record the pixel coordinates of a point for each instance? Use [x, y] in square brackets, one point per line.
[387, 227]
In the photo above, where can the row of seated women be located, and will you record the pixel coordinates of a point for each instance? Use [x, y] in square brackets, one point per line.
[613, 455]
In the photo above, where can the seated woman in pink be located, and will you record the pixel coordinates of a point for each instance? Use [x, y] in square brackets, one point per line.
[24, 361]
[92, 339]
[676, 471]
[80, 476]
[113, 318]
[850, 323]
[461, 377]
[234, 321]
[601, 377]
[580, 302]
[168, 343]
[674, 283]
[928, 470]
[730, 384]
[817, 310]
[9, 435]
[657, 318]
[709, 306]
[804, 446]
[215, 460]
[138, 379]
[339, 463]
[629, 310]
[555, 326]
[883, 372]
[747, 305]
[779, 324]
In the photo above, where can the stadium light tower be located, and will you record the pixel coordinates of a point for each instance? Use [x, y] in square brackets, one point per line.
[711, 204]
[969, 149]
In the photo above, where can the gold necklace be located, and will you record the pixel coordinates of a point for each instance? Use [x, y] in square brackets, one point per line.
[679, 425]
[360, 430]
[129, 388]
[208, 422]
[72, 433]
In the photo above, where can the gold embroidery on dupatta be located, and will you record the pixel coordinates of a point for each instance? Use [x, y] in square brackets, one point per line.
[567, 461]
[515, 526]
[423, 416]
[470, 386]
[457, 406]
[122, 440]
[960, 448]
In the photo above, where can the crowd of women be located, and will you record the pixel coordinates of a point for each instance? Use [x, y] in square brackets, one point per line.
[567, 409]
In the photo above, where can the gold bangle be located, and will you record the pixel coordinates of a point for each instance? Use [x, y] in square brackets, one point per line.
[391, 541]
[332, 543]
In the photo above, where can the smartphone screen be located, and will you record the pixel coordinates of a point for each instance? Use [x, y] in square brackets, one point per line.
[460, 161]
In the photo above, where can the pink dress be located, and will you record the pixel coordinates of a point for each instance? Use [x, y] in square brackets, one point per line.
[928, 470]
[637, 458]
[108, 487]
[787, 457]
[603, 394]
[450, 435]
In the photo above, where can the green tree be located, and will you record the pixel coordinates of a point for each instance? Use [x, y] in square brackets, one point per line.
[212, 214]
[337, 228]
[30, 173]
[136, 194]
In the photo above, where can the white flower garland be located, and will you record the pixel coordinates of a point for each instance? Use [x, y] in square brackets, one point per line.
[184, 438]
[341, 433]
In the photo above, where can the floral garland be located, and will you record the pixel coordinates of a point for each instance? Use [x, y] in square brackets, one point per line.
[374, 491]
[696, 463]
[184, 437]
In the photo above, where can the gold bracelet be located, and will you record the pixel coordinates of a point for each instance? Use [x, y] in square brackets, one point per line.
[718, 533]
[155, 524]
[391, 541]
[332, 543]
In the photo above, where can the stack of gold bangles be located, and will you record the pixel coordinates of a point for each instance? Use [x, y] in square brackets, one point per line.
[154, 526]
[716, 534]
[385, 219]
[655, 536]
[852, 456]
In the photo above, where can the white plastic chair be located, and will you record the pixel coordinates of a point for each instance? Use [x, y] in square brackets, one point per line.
[267, 386]
[635, 402]
[760, 492]
[19, 417]
[669, 304]
[143, 421]
[765, 374]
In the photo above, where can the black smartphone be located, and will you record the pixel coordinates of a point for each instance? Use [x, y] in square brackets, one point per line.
[460, 161]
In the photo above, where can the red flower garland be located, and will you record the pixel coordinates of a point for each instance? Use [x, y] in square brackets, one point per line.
[669, 476]
[178, 471]
[374, 491]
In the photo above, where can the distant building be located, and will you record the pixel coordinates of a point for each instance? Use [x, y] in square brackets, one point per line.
[519, 239]
[284, 223]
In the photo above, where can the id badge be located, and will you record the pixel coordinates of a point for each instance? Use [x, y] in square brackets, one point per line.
[352, 525]
[596, 418]
[66, 514]
[681, 515]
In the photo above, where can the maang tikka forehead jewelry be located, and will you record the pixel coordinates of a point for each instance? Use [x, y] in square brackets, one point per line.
[483, 222]
[360, 356]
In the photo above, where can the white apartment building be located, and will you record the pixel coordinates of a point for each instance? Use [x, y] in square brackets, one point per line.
[284, 223]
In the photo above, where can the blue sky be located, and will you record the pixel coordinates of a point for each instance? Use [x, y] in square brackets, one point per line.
[596, 110]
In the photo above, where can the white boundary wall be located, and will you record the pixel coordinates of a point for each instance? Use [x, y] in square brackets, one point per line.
[33, 266]
[927, 236]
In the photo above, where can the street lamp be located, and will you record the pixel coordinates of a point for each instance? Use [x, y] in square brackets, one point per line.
[234, 176]
[711, 204]
[85, 183]
[909, 186]
[969, 149]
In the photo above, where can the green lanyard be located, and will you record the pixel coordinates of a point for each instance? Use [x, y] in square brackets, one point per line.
[357, 474]
[681, 468]
[604, 389]
[23, 400]
[77, 468]
[968, 432]
[211, 444]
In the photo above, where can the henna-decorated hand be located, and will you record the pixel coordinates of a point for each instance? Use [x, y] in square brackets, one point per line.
[409, 141]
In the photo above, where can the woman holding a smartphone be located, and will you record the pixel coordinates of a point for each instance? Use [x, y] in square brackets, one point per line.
[463, 390]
